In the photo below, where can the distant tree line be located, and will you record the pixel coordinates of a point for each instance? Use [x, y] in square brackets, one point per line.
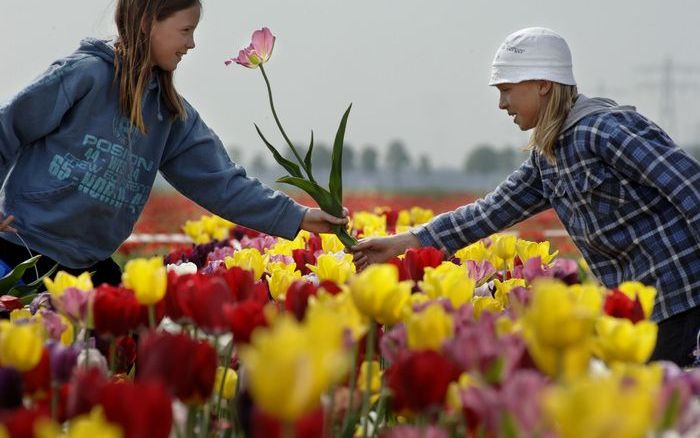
[481, 159]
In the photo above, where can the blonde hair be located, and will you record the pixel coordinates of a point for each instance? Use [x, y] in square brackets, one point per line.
[132, 60]
[551, 120]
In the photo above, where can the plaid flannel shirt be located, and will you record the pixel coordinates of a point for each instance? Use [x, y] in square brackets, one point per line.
[627, 195]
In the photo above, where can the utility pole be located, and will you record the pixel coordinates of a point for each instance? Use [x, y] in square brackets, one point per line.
[671, 77]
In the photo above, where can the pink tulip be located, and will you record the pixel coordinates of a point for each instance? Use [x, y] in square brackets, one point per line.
[258, 52]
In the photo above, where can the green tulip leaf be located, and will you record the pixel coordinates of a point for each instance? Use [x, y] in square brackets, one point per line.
[335, 182]
[292, 168]
[10, 280]
[318, 193]
[307, 158]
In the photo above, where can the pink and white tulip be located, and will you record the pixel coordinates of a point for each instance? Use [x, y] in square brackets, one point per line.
[258, 52]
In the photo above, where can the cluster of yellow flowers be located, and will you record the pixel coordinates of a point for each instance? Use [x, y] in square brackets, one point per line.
[208, 228]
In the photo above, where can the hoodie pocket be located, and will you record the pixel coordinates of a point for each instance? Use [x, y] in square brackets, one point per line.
[51, 194]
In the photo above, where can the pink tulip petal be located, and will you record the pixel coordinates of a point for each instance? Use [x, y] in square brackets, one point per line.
[263, 42]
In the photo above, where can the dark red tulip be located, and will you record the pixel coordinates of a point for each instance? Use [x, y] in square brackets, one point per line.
[244, 317]
[184, 366]
[619, 305]
[141, 409]
[115, 311]
[84, 391]
[419, 380]
[38, 379]
[302, 257]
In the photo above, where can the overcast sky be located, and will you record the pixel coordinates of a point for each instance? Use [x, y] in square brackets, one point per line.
[415, 70]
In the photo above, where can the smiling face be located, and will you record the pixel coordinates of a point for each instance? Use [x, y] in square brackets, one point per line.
[173, 36]
[524, 101]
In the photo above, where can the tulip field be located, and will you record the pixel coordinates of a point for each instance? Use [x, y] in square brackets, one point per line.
[244, 334]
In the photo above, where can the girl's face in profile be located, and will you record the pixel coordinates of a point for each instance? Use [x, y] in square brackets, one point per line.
[173, 36]
[524, 101]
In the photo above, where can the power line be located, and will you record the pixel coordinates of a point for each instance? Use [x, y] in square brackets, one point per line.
[671, 77]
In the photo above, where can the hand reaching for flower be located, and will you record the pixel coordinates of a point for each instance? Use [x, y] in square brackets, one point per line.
[381, 249]
[318, 221]
[5, 225]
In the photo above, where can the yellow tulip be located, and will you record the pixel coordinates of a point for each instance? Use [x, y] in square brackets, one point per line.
[230, 383]
[404, 219]
[646, 295]
[453, 397]
[195, 231]
[342, 305]
[21, 345]
[527, 250]
[505, 325]
[589, 295]
[555, 317]
[20, 314]
[369, 222]
[93, 425]
[620, 340]
[503, 289]
[429, 329]
[335, 268]
[476, 251]
[64, 280]
[504, 248]
[567, 363]
[378, 293]
[486, 304]
[331, 243]
[249, 259]
[147, 278]
[376, 383]
[304, 358]
[602, 407]
[449, 281]
[421, 215]
[280, 280]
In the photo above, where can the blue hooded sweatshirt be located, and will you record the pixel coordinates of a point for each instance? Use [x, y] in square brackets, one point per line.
[77, 174]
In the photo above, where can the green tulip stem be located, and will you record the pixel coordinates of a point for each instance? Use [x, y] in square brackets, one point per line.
[279, 124]
[113, 356]
[152, 316]
[226, 361]
[369, 353]
[353, 384]
[86, 347]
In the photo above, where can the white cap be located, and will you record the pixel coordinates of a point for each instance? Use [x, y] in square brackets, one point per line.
[533, 53]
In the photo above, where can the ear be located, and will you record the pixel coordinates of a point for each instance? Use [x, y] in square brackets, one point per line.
[146, 24]
[545, 87]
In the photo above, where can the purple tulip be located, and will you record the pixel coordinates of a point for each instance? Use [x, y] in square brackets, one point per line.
[63, 361]
[10, 389]
[53, 323]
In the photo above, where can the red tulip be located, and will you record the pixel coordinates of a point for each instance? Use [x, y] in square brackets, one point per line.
[308, 426]
[200, 298]
[185, 367]
[419, 380]
[417, 259]
[619, 305]
[84, 391]
[140, 409]
[302, 257]
[38, 379]
[20, 422]
[244, 317]
[297, 298]
[115, 310]
[243, 285]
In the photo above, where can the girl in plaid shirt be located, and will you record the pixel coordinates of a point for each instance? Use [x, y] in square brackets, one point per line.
[627, 195]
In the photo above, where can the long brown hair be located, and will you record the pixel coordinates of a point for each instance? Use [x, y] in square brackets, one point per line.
[132, 61]
[551, 119]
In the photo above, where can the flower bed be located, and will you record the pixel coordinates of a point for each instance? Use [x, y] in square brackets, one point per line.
[244, 334]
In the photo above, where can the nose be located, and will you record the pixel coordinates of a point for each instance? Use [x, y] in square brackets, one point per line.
[502, 104]
[190, 43]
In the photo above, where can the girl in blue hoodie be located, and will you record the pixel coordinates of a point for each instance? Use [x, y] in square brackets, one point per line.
[80, 148]
[627, 195]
